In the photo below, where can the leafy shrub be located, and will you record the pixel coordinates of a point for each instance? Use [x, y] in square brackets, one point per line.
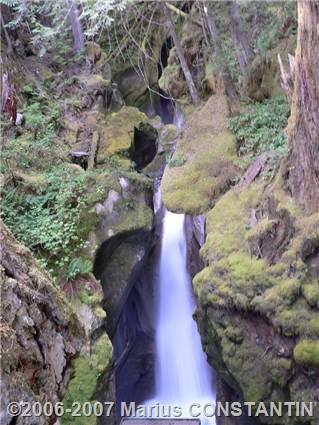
[260, 127]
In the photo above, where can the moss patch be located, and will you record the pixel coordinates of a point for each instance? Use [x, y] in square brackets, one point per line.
[207, 169]
[306, 353]
[82, 386]
[118, 131]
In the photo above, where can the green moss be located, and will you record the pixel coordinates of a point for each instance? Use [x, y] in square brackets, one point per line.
[90, 298]
[95, 82]
[310, 291]
[100, 312]
[234, 334]
[227, 223]
[134, 216]
[306, 353]
[295, 319]
[117, 133]
[84, 380]
[81, 389]
[207, 170]
[281, 295]
[101, 353]
[262, 227]
[314, 325]
[255, 381]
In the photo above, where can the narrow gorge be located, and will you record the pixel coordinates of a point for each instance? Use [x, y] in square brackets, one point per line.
[160, 211]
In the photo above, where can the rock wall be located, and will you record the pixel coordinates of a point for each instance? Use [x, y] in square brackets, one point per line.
[40, 333]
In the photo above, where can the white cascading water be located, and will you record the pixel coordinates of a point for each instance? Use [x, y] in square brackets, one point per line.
[183, 376]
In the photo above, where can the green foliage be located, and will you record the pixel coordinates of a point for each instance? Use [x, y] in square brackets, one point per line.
[175, 160]
[259, 127]
[97, 14]
[55, 33]
[79, 266]
[19, 9]
[37, 147]
[34, 116]
[48, 219]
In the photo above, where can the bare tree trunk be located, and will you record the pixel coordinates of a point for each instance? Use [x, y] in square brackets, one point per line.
[9, 44]
[240, 39]
[181, 56]
[76, 27]
[211, 26]
[302, 173]
[287, 77]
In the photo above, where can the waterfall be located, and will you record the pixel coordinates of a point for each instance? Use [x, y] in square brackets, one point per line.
[182, 374]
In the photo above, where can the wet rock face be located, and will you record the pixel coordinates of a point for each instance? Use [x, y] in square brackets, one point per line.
[40, 335]
[144, 147]
[118, 264]
[134, 339]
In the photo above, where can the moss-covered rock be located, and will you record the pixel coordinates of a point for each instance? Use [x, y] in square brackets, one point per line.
[117, 134]
[257, 293]
[306, 353]
[208, 169]
[87, 371]
[95, 83]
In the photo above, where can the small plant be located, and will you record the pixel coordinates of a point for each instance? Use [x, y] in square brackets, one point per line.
[260, 127]
[79, 266]
[175, 160]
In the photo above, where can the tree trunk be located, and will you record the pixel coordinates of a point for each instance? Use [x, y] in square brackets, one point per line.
[211, 26]
[9, 44]
[240, 39]
[302, 172]
[76, 27]
[181, 56]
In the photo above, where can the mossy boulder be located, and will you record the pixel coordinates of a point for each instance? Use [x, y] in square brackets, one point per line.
[117, 134]
[207, 170]
[95, 83]
[124, 210]
[306, 352]
[256, 297]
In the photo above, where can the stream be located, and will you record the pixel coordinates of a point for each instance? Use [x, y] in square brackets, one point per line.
[182, 374]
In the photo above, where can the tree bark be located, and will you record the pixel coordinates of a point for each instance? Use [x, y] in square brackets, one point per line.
[240, 39]
[302, 172]
[211, 26]
[181, 56]
[76, 26]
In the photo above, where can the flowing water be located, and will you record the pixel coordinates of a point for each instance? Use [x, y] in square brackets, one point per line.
[183, 376]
